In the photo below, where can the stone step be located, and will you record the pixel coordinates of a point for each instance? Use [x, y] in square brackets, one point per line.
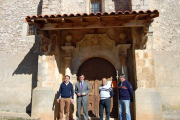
[14, 116]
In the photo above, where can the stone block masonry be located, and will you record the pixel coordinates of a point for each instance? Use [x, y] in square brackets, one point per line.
[148, 104]
[18, 64]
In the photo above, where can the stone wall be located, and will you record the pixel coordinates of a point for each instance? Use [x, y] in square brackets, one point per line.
[82, 6]
[166, 49]
[138, 5]
[50, 7]
[166, 45]
[18, 61]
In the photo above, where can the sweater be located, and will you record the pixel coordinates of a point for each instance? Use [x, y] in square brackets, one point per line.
[66, 91]
[125, 90]
[105, 92]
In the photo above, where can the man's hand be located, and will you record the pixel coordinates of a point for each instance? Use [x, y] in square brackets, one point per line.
[79, 94]
[57, 100]
[72, 101]
[83, 93]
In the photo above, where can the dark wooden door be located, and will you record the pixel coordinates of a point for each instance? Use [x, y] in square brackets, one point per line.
[94, 70]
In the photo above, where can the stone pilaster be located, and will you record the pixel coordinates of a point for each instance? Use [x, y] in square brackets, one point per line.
[68, 57]
[147, 99]
[44, 94]
[123, 57]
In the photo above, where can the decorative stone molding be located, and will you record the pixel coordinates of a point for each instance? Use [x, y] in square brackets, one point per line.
[68, 39]
[95, 40]
[122, 37]
[122, 48]
[95, 45]
[68, 50]
[45, 44]
[142, 37]
[45, 41]
[68, 57]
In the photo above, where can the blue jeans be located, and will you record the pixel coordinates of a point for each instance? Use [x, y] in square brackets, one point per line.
[124, 104]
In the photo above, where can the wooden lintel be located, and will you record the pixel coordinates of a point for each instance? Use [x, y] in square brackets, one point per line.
[116, 18]
[148, 17]
[45, 20]
[99, 19]
[32, 21]
[63, 20]
[80, 19]
[136, 17]
[83, 25]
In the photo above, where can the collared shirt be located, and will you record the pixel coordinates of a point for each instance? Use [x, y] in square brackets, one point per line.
[80, 82]
[66, 83]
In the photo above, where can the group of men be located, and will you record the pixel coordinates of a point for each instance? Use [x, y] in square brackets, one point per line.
[66, 96]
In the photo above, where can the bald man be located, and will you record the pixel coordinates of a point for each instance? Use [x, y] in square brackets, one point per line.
[105, 93]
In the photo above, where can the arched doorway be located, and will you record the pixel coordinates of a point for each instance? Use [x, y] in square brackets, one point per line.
[94, 70]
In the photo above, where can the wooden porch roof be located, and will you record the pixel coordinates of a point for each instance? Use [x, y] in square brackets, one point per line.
[99, 20]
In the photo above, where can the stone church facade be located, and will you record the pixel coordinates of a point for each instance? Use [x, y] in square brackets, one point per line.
[41, 41]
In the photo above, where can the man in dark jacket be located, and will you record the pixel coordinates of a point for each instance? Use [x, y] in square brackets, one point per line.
[65, 91]
[125, 94]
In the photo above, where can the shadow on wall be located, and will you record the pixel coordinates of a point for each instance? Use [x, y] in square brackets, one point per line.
[122, 5]
[29, 65]
[56, 107]
[39, 9]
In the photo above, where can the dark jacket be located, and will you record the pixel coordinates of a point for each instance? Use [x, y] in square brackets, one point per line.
[125, 90]
[66, 91]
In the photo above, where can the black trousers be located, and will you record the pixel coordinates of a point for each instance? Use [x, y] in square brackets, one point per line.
[107, 105]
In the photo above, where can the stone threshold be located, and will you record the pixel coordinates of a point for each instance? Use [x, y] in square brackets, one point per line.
[13, 115]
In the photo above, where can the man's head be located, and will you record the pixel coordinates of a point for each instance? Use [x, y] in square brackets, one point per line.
[104, 81]
[67, 78]
[81, 77]
[122, 77]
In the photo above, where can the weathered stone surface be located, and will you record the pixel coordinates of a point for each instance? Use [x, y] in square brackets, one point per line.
[140, 5]
[18, 64]
[17, 77]
[43, 103]
[168, 83]
[148, 104]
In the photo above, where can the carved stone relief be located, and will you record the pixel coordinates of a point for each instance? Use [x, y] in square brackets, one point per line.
[45, 44]
[140, 36]
[95, 45]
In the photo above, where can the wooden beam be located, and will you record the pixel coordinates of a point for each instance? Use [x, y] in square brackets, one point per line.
[45, 20]
[136, 17]
[99, 19]
[83, 25]
[63, 20]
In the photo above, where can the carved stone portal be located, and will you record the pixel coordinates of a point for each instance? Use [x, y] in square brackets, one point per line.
[95, 45]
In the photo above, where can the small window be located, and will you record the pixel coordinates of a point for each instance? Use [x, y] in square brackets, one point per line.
[95, 6]
[32, 29]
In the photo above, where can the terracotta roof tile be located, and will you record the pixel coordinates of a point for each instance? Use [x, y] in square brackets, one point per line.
[92, 14]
